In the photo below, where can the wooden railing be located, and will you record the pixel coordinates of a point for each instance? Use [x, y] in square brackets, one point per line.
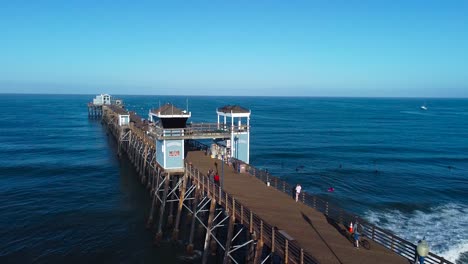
[383, 237]
[289, 250]
[197, 130]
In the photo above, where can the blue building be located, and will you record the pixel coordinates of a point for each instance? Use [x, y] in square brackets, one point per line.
[236, 120]
[169, 126]
[230, 134]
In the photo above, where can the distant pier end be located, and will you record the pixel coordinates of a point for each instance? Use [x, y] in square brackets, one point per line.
[95, 107]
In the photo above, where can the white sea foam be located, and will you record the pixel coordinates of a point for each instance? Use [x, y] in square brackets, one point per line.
[445, 227]
[454, 252]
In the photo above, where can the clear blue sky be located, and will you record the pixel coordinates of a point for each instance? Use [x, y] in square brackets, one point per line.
[300, 48]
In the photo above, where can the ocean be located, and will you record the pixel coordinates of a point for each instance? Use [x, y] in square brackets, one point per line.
[65, 196]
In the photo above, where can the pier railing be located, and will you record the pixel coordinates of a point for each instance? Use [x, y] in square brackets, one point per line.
[289, 250]
[383, 237]
[197, 131]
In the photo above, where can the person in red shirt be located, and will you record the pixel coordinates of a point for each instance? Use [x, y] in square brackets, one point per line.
[216, 178]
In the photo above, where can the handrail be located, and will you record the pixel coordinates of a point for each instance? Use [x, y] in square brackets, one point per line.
[197, 129]
[381, 236]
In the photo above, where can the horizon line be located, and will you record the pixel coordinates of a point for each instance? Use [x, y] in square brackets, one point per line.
[288, 96]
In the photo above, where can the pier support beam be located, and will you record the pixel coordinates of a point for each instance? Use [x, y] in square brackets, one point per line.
[192, 224]
[159, 234]
[149, 223]
[170, 215]
[250, 258]
[259, 248]
[145, 157]
[119, 145]
[175, 234]
[208, 231]
[230, 232]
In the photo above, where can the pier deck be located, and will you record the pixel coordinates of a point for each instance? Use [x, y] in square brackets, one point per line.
[311, 229]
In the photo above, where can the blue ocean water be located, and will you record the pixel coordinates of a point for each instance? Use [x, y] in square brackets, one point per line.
[65, 195]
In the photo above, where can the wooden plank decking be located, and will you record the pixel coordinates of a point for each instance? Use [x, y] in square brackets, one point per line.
[319, 236]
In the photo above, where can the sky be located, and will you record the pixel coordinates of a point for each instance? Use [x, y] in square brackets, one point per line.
[277, 48]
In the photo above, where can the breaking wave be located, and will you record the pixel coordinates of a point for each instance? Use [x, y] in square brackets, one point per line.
[443, 226]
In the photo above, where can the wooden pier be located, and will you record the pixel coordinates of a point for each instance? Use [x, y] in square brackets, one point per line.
[253, 218]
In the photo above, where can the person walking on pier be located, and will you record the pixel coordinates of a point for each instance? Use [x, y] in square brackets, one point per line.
[216, 178]
[298, 191]
[356, 234]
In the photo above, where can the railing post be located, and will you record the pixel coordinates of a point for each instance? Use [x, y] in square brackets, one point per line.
[233, 208]
[227, 204]
[251, 223]
[207, 186]
[242, 214]
[220, 197]
[272, 239]
[393, 244]
[373, 232]
[261, 231]
[302, 256]
[286, 257]
[202, 179]
[315, 202]
[326, 208]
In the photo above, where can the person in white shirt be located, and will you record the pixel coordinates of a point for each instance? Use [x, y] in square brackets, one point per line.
[298, 191]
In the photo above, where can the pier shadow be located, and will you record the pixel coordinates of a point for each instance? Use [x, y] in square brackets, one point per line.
[341, 229]
[307, 219]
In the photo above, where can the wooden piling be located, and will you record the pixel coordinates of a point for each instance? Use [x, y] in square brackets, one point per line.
[192, 225]
[229, 235]
[145, 157]
[250, 256]
[175, 234]
[170, 216]
[119, 145]
[149, 223]
[161, 209]
[208, 231]
[259, 247]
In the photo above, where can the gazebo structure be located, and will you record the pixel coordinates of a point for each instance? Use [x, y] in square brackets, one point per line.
[237, 120]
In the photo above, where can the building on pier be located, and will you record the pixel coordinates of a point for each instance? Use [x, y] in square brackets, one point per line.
[102, 99]
[170, 123]
[230, 135]
[123, 116]
[106, 99]
[238, 143]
